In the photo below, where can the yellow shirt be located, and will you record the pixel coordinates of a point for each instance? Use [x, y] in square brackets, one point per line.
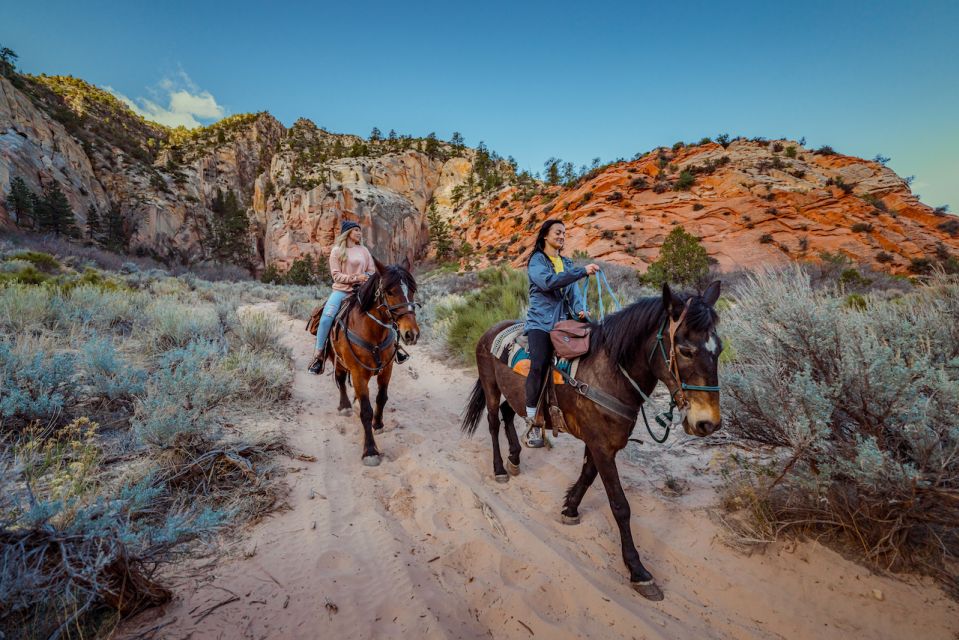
[557, 263]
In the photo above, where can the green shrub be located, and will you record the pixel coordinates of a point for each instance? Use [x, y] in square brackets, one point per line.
[790, 151]
[27, 308]
[682, 260]
[42, 261]
[685, 182]
[950, 226]
[860, 413]
[37, 381]
[184, 394]
[263, 376]
[765, 238]
[259, 332]
[170, 325]
[855, 301]
[861, 227]
[503, 296]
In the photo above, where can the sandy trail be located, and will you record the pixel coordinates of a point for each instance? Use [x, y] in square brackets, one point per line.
[427, 545]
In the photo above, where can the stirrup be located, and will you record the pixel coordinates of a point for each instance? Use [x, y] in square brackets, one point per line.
[533, 439]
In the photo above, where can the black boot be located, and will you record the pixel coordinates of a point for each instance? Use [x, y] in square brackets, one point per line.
[318, 364]
[401, 355]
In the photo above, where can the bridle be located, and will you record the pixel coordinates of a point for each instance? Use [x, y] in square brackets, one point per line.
[678, 397]
[408, 306]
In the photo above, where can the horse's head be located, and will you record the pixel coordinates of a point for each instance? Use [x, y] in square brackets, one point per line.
[686, 358]
[398, 288]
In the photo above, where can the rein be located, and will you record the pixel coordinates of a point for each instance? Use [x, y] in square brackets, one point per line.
[677, 399]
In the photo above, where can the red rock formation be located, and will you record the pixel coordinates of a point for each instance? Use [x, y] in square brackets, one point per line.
[752, 203]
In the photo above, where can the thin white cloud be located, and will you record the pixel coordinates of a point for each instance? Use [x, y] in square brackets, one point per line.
[186, 104]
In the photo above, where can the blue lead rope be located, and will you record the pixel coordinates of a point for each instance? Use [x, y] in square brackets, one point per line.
[664, 419]
[601, 283]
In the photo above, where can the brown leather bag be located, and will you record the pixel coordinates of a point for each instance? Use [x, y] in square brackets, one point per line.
[313, 324]
[570, 338]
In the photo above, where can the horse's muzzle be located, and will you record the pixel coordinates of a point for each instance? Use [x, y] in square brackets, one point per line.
[703, 428]
[410, 336]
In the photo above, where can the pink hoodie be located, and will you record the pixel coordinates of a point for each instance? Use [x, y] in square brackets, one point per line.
[358, 261]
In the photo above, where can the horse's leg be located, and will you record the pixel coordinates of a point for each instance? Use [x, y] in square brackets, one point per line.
[382, 395]
[512, 462]
[576, 492]
[361, 385]
[640, 578]
[492, 415]
[345, 408]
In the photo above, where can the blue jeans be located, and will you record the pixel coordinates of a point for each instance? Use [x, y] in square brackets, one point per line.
[329, 313]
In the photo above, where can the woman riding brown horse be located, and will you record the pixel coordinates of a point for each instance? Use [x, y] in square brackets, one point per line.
[365, 343]
[670, 339]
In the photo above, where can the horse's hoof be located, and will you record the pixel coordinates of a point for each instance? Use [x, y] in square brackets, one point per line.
[371, 461]
[377, 432]
[345, 412]
[513, 469]
[570, 519]
[502, 478]
[648, 590]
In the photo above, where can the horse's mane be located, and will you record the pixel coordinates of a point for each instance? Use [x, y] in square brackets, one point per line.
[624, 332]
[394, 275]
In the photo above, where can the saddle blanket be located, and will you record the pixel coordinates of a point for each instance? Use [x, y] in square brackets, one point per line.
[510, 347]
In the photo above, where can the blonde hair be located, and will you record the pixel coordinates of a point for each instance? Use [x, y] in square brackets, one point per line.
[339, 247]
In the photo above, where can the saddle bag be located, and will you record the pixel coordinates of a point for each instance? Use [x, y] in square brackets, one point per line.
[570, 338]
[313, 323]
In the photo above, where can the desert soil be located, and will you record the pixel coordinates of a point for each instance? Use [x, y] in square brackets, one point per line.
[427, 545]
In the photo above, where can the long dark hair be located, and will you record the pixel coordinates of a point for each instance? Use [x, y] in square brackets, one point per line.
[540, 245]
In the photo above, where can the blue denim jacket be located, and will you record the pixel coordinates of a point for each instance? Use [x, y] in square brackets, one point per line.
[548, 290]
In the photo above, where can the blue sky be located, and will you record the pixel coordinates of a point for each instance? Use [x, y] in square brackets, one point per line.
[535, 79]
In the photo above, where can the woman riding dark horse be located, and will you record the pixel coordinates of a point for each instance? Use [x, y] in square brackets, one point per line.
[553, 296]
[669, 339]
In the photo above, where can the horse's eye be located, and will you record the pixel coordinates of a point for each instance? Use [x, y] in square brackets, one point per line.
[687, 350]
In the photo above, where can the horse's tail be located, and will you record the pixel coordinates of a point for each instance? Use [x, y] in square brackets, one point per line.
[474, 410]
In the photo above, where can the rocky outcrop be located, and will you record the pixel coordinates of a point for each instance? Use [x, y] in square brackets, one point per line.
[752, 203]
[38, 149]
[298, 184]
[299, 205]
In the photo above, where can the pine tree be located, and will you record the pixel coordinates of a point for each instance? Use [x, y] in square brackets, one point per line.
[56, 213]
[441, 237]
[229, 228]
[457, 141]
[552, 171]
[8, 61]
[392, 138]
[93, 223]
[375, 135]
[20, 202]
[117, 232]
[682, 260]
[431, 146]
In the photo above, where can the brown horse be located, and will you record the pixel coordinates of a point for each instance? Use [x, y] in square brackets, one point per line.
[364, 344]
[671, 339]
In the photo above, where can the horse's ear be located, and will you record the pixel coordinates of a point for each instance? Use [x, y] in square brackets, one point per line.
[380, 267]
[668, 299]
[711, 294]
[406, 264]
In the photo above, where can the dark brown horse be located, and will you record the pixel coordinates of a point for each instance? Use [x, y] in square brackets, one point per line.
[670, 339]
[364, 341]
